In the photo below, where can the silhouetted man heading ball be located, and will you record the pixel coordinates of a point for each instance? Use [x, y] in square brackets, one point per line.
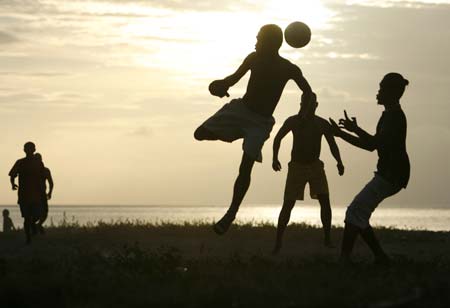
[250, 117]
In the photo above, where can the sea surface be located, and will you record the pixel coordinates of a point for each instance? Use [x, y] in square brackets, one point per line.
[433, 219]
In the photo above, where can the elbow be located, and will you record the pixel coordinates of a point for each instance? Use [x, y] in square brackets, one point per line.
[371, 147]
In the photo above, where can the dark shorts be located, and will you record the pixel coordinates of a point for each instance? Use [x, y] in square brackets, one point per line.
[32, 210]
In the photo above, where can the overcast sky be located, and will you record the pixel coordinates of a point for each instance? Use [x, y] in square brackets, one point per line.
[111, 92]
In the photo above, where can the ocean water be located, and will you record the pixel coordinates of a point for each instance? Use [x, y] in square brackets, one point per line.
[433, 219]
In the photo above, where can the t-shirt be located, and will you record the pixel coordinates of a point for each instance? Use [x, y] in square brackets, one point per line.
[29, 170]
[393, 161]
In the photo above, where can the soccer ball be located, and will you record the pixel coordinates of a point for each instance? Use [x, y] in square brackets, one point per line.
[297, 34]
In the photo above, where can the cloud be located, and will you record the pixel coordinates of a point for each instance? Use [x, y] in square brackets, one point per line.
[417, 4]
[141, 131]
[6, 38]
[198, 5]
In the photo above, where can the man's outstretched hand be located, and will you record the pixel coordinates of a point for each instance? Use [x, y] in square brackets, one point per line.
[218, 88]
[14, 186]
[276, 165]
[349, 124]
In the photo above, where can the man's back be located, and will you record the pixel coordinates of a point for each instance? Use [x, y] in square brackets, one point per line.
[307, 138]
[268, 78]
[29, 170]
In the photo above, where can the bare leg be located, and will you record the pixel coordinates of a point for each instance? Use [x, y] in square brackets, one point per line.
[283, 220]
[369, 237]
[348, 241]
[325, 216]
[202, 133]
[241, 186]
[27, 222]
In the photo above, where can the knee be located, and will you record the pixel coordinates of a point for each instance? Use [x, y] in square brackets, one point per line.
[198, 134]
[288, 206]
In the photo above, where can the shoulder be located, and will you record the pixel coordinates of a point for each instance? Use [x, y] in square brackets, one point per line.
[396, 116]
[324, 124]
[291, 121]
[250, 58]
[19, 162]
[322, 121]
[293, 69]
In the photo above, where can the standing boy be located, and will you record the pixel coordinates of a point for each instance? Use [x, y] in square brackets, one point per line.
[305, 166]
[250, 117]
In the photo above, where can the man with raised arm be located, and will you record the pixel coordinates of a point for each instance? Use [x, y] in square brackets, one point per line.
[250, 117]
[393, 166]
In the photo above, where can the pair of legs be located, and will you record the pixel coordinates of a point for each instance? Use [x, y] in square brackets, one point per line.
[42, 217]
[358, 215]
[351, 232]
[241, 184]
[285, 215]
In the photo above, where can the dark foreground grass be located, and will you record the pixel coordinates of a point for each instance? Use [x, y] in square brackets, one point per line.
[138, 265]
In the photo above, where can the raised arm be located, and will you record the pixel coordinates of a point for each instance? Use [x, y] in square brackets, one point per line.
[353, 140]
[352, 126]
[284, 130]
[220, 87]
[334, 148]
[303, 84]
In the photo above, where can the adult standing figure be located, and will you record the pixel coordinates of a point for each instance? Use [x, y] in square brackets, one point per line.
[29, 170]
[393, 166]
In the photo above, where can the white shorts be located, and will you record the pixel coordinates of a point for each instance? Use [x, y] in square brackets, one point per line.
[235, 120]
[359, 211]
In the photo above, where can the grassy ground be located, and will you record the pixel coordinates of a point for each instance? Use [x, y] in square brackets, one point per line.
[139, 265]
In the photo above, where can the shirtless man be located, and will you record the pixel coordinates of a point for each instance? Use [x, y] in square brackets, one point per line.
[305, 166]
[250, 117]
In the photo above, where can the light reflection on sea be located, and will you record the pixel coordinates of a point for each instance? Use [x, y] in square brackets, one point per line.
[402, 218]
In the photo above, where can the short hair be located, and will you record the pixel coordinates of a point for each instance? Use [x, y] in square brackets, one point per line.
[313, 97]
[5, 212]
[29, 145]
[395, 84]
[272, 35]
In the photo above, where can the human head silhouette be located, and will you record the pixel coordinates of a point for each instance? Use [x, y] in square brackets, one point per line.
[312, 102]
[38, 156]
[5, 213]
[392, 87]
[29, 148]
[269, 39]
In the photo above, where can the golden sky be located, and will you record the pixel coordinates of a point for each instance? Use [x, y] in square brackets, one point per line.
[112, 90]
